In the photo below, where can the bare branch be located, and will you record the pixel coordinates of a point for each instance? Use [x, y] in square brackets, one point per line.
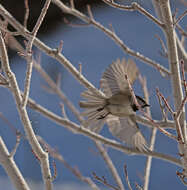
[162, 107]
[80, 68]
[72, 4]
[138, 187]
[60, 47]
[90, 12]
[182, 32]
[104, 181]
[135, 7]
[165, 101]
[11, 168]
[27, 79]
[175, 117]
[102, 151]
[111, 34]
[162, 45]
[127, 177]
[173, 60]
[146, 115]
[110, 165]
[24, 116]
[55, 154]
[29, 52]
[53, 53]
[55, 88]
[26, 13]
[63, 111]
[55, 170]
[182, 176]
[180, 18]
[18, 137]
[81, 130]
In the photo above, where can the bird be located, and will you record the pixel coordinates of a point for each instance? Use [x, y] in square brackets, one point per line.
[114, 105]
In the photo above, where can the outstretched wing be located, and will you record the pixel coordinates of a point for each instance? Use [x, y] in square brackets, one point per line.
[113, 79]
[127, 130]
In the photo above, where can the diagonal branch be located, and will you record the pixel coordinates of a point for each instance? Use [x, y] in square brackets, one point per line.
[29, 52]
[8, 163]
[101, 149]
[134, 7]
[24, 116]
[82, 130]
[111, 34]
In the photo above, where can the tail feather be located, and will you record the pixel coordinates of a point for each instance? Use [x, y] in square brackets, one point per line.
[89, 95]
[93, 104]
[93, 114]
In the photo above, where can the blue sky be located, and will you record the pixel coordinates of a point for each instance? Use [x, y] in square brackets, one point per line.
[95, 51]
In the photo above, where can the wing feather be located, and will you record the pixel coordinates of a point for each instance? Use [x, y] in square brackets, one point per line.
[113, 79]
[127, 130]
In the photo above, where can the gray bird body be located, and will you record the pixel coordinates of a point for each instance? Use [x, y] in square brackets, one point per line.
[116, 107]
[120, 105]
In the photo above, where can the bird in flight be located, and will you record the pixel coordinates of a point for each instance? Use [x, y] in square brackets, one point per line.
[115, 105]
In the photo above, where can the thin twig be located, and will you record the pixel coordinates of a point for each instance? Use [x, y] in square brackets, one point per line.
[90, 12]
[104, 181]
[162, 107]
[110, 165]
[55, 154]
[175, 117]
[80, 68]
[69, 23]
[135, 7]
[26, 13]
[138, 187]
[3, 80]
[72, 4]
[60, 47]
[165, 101]
[18, 137]
[180, 17]
[127, 177]
[162, 45]
[8, 163]
[63, 111]
[8, 31]
[29, 52]
[182, 32]
[55, 170]
[182, 176]
[55, 88]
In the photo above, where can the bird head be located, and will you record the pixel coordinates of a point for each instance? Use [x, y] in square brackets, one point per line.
[141, 102]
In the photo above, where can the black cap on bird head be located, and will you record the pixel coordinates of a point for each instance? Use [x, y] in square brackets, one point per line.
[141, 102]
